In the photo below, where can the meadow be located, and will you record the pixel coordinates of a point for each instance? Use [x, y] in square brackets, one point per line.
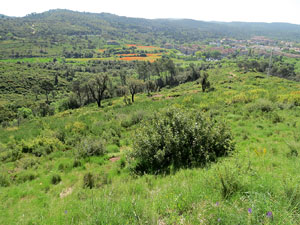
[46, 180]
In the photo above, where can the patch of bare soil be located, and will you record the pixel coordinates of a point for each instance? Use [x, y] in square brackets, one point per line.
[232, 74]
[66, 192]
[114, 159]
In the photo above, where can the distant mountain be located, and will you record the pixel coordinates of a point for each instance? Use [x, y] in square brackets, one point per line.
[110, 26]
[3, 16]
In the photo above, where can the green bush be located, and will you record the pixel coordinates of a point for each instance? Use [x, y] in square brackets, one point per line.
[133, 119]
[179, 139]
[11, 153]
[263, 105]
[69, 103]
[64, 167]
[46, 110]
[25, 176]
[88, 181]
[77, 163]
[91, 147]
[4, 181]
[25, 113]
[112, 148]
[55, 179]
[28, 162]
[41, 146]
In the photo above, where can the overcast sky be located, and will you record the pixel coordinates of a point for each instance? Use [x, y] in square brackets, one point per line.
[207, 10]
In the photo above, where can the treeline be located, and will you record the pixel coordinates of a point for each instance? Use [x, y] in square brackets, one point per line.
[276, 67]
[55, 85]
[145, 77]
[109, 26]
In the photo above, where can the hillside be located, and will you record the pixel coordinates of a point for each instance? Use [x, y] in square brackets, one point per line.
[116, 120]
[257, 183]
[109, 26]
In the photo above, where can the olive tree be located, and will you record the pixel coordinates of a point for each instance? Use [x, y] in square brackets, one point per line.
[97, 87]
[135, 86]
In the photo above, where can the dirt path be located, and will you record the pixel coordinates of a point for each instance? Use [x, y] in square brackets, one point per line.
[232, 74]
[114, 159]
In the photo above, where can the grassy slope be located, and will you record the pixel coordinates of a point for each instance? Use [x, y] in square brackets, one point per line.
[264, 180]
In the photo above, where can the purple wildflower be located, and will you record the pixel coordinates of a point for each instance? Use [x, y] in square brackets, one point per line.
[219, 219]
[66, 211]
[249, 210]
[217, 203]
[270, 214]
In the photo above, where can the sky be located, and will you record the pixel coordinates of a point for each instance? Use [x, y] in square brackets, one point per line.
[206, 10]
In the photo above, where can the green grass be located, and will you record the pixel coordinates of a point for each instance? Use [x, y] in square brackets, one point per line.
[30, 60]
[262, 173]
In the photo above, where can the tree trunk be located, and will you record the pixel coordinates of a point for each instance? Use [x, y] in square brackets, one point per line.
[132, 98]
[99, 103]
[47, 99]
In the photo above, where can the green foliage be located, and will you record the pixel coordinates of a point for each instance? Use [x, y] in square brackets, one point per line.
[262, 105]
[293, 194]
[230, 180]
[205, 83]
[41, 146]
[292, 98]
[26, 177]
[91, 146]
[294, 149]
[262, 174]
[77, 163]
[88, 181]
[112, 148]
[69, 103]
[27, 163]
[135, 86]
[133, 119]
[55, 179]
[11, 153]
[46, 110]
[179, 139]
[25, 113]
[4, 180]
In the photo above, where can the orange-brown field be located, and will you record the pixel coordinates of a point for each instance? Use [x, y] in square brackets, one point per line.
[131, 57]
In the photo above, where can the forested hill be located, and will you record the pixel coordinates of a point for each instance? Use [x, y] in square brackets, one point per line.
[109, 26]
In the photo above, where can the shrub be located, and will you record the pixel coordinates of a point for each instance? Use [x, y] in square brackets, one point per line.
[11, 153]
[292, 98]
[55, 179]
[88, 181]
[294, 148]
[64, 167]
[122, 162]
[41, 146]
[27, 162]
[177, 139]
[76, 128]
[241, 98]
[293, 194]
[134, 119]
[112, 148]
[77, 163]
[69, 103]
[91, 147]
[26, 176]
[25, 113]
[263, 105]
[46, 110]
[230, 182]
[4, 180]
